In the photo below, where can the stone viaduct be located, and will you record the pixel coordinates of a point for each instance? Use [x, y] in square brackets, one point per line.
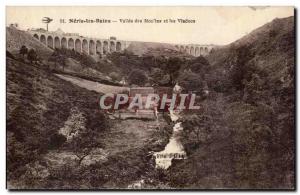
[90, 46]
[195, 49]
[94, 46]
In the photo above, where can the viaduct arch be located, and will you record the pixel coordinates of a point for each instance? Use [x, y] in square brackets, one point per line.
[50, 41]
[64, 43]
[71, 44]
[42, 39]
[56, 42]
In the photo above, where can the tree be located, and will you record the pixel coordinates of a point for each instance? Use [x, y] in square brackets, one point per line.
[200, 65]
[62, 61]
[240, 70]
[59, 57]
[53, 57]
[32, 56]
[202, 60]
[159, 77]
[198, 128]
[196, 67]
[191, 81]
[253, 92]
[86, 60]
[23, 50]
[137, 77]
[84, 144]
[172, 68]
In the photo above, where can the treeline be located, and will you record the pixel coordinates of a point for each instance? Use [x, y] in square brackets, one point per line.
[29, 53]
[145, 70]
[59, 57]
[148, 70]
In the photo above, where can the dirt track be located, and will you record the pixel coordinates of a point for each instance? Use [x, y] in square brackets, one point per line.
[91, 85]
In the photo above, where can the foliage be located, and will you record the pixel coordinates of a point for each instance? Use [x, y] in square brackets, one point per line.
[137, 77]
[238, 72]
[23, 50]
[199, 65]
[115, 76]
[249, 137]
[61, 54]
[158, 77]
[197, 128]
[58, 58]
[32, 56]
[191, 81]
[38, 110]
[172, 68]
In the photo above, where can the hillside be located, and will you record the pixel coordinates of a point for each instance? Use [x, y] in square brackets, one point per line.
[16, 38]
[271, 45]
[247, 123]
[40, 105]
[75, 63]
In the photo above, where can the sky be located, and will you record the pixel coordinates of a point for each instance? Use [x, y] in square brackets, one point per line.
[213, 25]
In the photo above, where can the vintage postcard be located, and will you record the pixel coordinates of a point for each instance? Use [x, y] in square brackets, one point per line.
[147, 98]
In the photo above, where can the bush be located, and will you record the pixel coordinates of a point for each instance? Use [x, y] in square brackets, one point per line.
[115, 76]
[159, 77]
[137, 77]
[191, 81]
[23, 50]
[32, 56]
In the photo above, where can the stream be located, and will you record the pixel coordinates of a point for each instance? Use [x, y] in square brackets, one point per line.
[174, 149]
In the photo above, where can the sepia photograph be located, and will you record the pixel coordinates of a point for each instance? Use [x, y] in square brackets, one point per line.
[150, 98]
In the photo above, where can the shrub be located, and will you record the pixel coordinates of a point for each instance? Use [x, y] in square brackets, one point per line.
[137, 77]
[23, 50]
[114, 76]
[191, 81]
[32, 56]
